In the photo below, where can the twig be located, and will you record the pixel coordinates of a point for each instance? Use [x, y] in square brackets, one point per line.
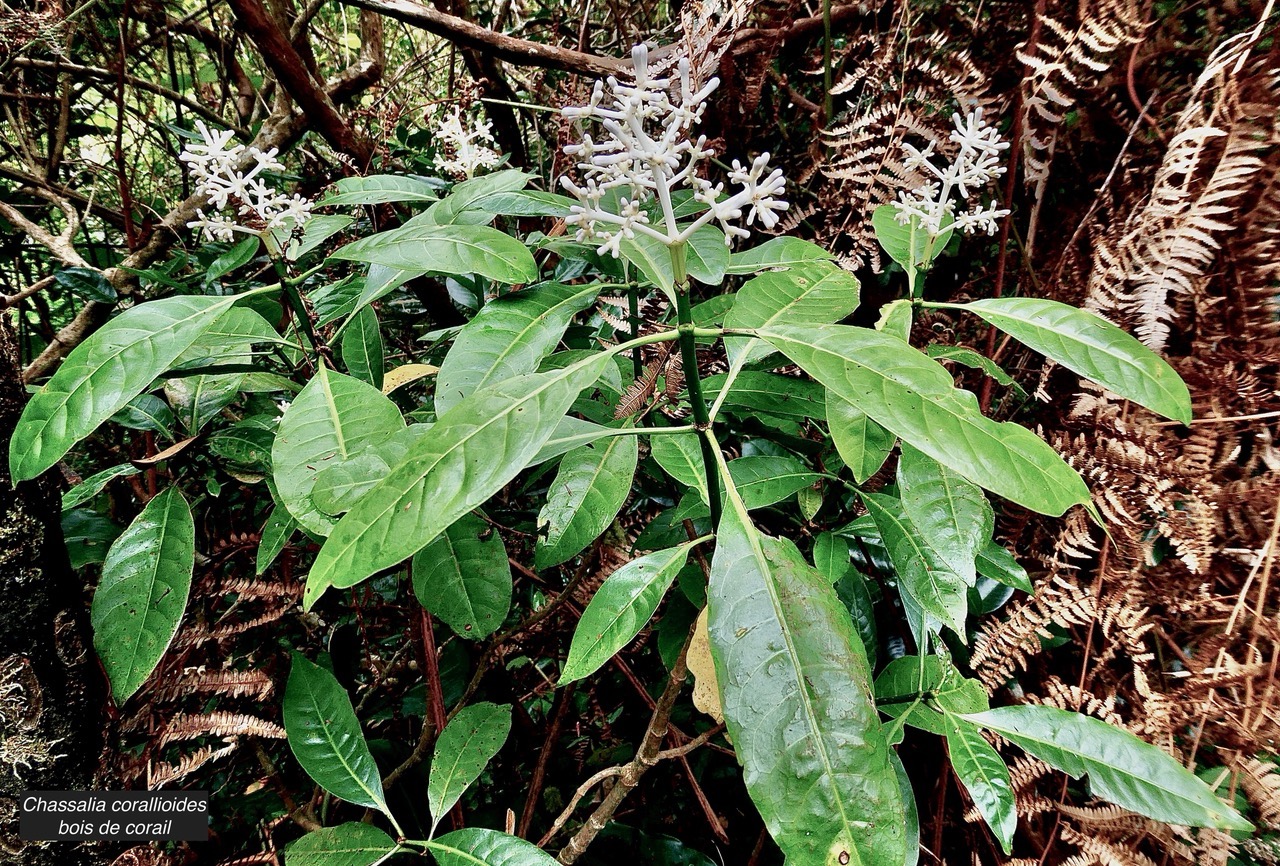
[563, 700]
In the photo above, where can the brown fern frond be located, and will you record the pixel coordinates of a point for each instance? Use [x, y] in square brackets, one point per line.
[188, 726]
[165, 773]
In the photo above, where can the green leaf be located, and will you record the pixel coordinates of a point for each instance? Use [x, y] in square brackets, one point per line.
[621, 607]
[236, 257]
[981, 770]
[998, 564]
[318, 229]
[465, 202]
[379, 189]
[276, 533]
[707, 255]
[362, 350]
[765, 480]
[680, 456]
[779, 252]
[914, 397]
[475, 846]
[1088, 344]
[974, 360]
[380, 282]
[87, 535]
[456, 250]
[245, 445]
[473, 450]
[467, 744]
[325, 736]
[589, 490]
[333, 419]
[1121, 768]
[653, 258]
[921, 571]
[528, 203]
[769, 393]
[796, 695]
[861, 443]
[351, 844]
[895, 318]
[816, 293]
[146, 412]
[140, 599]
[909, 245]
[104, 373]
[910, 676]
[464, 578]
[947, 509]
[94, 484]
[831, 557]
[88, 283]
[508, 337]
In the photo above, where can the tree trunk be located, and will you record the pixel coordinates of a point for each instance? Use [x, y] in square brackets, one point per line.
[51, 689]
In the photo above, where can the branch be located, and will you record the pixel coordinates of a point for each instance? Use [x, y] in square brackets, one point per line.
[499, 45]
[291, 72]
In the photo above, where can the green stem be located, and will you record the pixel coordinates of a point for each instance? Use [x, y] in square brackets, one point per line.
[689, 361]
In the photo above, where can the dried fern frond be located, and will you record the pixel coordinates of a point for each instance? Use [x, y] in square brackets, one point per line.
[166, 774]
[187, 726]
[1001, 647]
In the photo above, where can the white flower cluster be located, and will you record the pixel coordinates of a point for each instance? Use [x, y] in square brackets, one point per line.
[975, 165]
[258, 207]
[463, 150]
[646, 154]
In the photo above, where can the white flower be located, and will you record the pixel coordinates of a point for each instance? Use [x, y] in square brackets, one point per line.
[463, 150]
[645, 154]
[216, 168]
[975, 165]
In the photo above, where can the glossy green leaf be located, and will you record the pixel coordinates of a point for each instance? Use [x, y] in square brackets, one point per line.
[794, 682]
[1122, 769]
[922, 573]
[509, 336]
[379, 189]
[146, 412]
[94, 484]
[621, 607]
[779, 252]
[339, 486]
[333, 419]
[914, 397]
[907, 244]
[472, 451]
[245, 445]
[465, 747]
[351, 844]
[475, 846]
[831, 557]
[769, 393]
[998, 564]
[984, 775]
[764, 480]
[816, 293]
[362, 349]
[381, 281]
[527, 202]
[325, 736]
[680, 455]
[105, 372]
[464, 578]
[707, 255]
[87, 535]
[967, 357]
[88, 283]
[653, 259]
[140, 599]
[276, 533]
[861, 443]
[947, 509]
[236, 257]
[465, 202]
[589, 490]
[446, 249]
[318, 229]
[910, 676]
[1088, 344]
[896, 318]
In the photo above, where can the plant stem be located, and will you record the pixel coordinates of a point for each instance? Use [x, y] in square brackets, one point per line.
[689, 360]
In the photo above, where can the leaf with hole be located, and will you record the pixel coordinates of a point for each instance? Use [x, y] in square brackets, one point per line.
[590, 488]
[464, 578]
[466, 746]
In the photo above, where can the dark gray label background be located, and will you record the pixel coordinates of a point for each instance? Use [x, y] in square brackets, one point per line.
[190, 826]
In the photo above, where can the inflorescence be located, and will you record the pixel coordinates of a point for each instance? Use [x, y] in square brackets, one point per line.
[464, 150]
[646, 153]
[258, 207]
[975, 166]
